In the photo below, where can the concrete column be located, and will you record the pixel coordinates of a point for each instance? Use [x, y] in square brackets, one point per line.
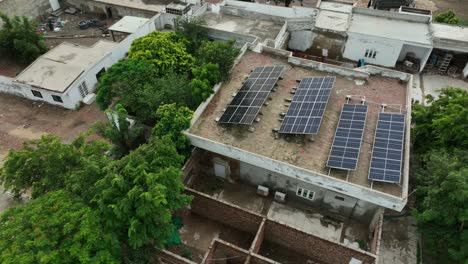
[54, 4]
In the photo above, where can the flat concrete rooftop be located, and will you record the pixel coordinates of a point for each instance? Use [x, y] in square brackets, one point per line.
[147, 5]
[128, 24]
[385, 27]
[57, 69]
[259, 28]
[298, 150]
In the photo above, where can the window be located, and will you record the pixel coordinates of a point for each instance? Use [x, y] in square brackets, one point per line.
[304, 193]
[83, 89]
[36, 93]
[370, 53]
[57, 98]
[339, 198]
[100, 73]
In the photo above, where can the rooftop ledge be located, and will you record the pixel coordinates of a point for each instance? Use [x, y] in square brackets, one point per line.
[297, 156]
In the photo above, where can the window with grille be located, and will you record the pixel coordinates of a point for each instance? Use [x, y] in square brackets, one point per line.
[304, 193]
[83, 89]
[57, 98]
[36, 93]
[370, 53]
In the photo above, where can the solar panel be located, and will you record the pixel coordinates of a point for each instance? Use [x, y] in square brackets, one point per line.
[387, 152]
[346, 146]
[245, 106]
[305, 113]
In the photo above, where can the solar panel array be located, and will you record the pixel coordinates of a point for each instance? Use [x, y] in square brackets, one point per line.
[305, 113]
[346, 146]
[387, 153]
[245, 106]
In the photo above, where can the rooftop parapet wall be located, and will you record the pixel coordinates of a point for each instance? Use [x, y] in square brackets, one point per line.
[393, 15]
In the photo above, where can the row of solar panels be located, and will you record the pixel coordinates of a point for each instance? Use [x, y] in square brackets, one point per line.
[305, 114]
[387, 153]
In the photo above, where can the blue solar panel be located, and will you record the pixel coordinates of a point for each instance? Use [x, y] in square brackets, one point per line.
[305, 113]
[387, 153]
[346, 146]
[245, 106]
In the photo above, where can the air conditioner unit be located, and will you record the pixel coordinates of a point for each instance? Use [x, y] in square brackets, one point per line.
[262, 191]
[280, 197]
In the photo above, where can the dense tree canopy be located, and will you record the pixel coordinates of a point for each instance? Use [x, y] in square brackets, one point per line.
[140, 192]
[165, 50]
[55, 228]
[171, 121]
[124, 132]
[441, 143]
[123, 77]
[47, 164]
[221, 53]
[19, 39]
[192, 29]
[444, 123]
[447, 17]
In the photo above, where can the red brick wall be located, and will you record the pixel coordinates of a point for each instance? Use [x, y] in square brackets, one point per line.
[230, 215]
[257, 259]
[257, 243]
[316, 248]
[224, 252]
[168, 257]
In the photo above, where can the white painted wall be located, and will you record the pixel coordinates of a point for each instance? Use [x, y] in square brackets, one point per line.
[388, 50]
[54, 4]
[300, 174]
[301, 39]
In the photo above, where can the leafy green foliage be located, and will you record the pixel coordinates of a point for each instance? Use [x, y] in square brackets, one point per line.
[18, 38]
[124, 133]
[55, 229]
[443, 210]
[47, 165]
[447, 17]
[440, 133]
[192, 29]
[171, 121]
[140, 192]
[209, 72]
[444, 123]
[221, 53]
[165, 50]
[122, 77]
[201, 89]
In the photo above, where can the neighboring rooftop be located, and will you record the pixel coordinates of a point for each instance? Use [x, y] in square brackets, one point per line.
[336, 7]
[391, 28]
[147, 5]
[57, 69]
[259, 28]
[128, 24]
[298, 150]
[445, 35]
[332, 20]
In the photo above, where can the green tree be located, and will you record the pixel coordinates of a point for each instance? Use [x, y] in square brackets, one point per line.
[440, 136]
[123, 77]
[443, 204]
[444, 123]
[172, 120]
[221, 53]
[18, 38]
[124, 133]
[447, 17]
[209, 72]
[140, 193]
[193, 29]
[47, 165]
[55, 228]
[165, 50]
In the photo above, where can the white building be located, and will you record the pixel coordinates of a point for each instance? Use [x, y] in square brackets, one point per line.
[385, 38]
[67, 73]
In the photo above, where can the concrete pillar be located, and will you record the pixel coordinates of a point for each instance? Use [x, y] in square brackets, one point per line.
[54, 4]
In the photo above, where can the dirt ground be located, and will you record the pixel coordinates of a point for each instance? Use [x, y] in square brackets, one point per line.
[22, 119]
[437, 6]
